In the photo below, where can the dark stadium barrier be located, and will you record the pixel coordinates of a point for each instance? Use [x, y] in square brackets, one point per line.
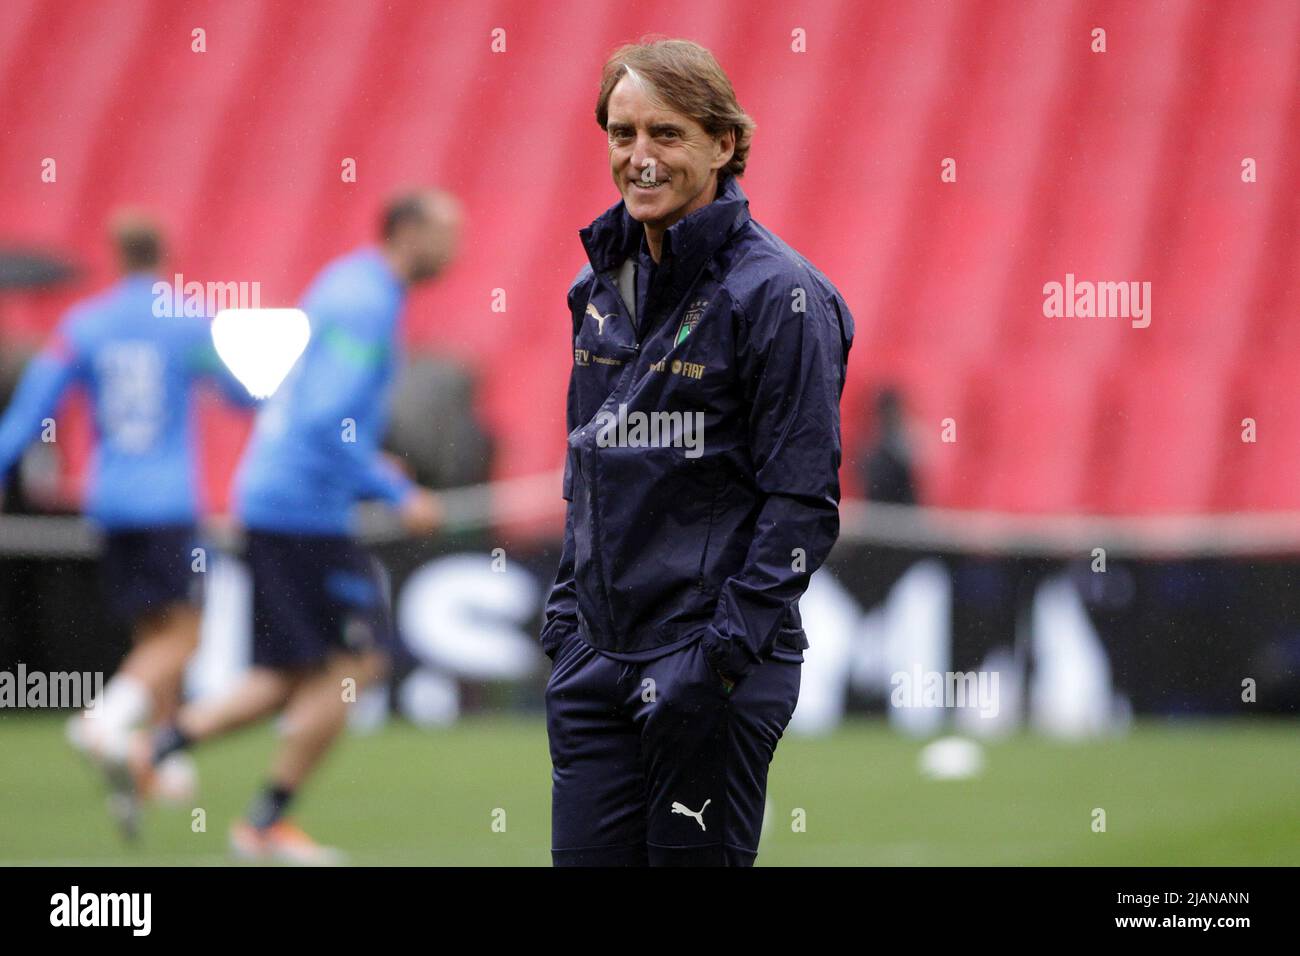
[1157, 616]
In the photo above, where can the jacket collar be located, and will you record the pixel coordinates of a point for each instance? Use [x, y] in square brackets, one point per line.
[688, 243]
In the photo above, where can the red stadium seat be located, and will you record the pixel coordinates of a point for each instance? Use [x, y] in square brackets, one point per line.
[1040, 410]
[1264, 474]
[1159, 435]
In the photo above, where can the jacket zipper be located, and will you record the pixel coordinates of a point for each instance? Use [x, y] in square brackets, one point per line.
[617, 394]
[639, 327]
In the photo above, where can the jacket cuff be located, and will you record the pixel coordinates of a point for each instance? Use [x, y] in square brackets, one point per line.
[729, 658]
[554, 636]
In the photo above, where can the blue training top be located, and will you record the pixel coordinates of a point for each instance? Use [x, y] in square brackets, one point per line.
[139, 370]
[315, 448]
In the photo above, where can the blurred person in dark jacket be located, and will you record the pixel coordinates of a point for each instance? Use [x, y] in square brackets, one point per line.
[887, 468]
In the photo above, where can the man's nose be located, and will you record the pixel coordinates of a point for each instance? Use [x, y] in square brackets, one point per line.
[643, 155]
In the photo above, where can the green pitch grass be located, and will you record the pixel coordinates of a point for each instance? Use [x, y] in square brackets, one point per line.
[1186, 793]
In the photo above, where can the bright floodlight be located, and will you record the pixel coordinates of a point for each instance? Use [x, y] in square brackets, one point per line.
[259, 346]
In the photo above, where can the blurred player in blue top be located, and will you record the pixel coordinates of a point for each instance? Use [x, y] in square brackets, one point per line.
[320, 604]
[139, 365]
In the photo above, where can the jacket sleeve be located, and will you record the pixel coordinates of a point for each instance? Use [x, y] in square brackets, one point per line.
[37, 396]
[561, 618]
[793, 365]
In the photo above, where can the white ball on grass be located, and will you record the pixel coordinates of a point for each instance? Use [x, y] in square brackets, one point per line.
[951, 758]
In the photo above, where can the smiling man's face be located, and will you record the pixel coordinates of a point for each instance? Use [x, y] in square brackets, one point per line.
[664, 164]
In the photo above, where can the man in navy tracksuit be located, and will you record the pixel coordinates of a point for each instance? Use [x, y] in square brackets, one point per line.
[701, 480]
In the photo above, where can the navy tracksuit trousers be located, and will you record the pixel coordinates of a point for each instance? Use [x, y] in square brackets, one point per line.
[655, 763]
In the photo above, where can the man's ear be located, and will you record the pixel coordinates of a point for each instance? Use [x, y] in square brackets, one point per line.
[724, 148]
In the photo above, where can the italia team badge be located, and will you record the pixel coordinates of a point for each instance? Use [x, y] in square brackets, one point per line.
[690, 320]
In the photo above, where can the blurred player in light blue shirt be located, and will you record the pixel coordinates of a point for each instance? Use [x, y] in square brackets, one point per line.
[320, 602]
[139, 370]
[315, 449]
[139, 366]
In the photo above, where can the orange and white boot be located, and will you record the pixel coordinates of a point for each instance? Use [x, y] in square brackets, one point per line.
[281, 842]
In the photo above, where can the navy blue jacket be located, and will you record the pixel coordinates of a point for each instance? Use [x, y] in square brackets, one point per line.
[673, 539]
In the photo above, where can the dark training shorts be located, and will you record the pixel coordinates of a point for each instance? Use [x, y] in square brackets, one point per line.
[654, 763]
[314, 595]
[149, 570]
